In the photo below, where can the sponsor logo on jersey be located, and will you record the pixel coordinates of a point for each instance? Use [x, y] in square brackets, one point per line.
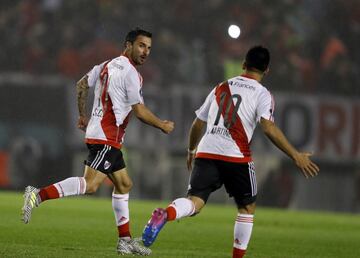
[242, 85]
[98, 112]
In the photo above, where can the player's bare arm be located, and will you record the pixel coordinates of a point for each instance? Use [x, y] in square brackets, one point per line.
[82, 89]
[194, 138]
[301, 159]
[146, 116]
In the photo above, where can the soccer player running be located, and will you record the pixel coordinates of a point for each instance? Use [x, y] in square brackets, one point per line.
[117, 87]
[223, 156]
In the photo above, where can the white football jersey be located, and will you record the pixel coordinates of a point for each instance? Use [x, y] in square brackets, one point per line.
[232, 110]
[117, 86]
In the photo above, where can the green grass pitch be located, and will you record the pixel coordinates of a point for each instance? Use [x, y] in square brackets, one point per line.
[85, 227]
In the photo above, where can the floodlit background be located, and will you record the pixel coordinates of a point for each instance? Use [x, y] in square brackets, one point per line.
[46, 46]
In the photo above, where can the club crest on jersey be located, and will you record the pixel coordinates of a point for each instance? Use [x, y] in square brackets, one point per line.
[107, 164]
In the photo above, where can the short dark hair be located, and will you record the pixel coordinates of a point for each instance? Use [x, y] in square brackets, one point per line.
[258, 57]
[133, 34]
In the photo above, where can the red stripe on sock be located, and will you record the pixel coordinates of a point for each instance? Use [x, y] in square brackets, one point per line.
[124, 230]
[171, 213]
[238, 253]
[49, 192]
[245, 220]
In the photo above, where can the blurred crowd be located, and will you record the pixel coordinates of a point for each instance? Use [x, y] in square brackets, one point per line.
[314, 44]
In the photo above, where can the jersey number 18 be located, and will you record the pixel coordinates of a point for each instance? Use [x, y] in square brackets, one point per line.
[224, 108]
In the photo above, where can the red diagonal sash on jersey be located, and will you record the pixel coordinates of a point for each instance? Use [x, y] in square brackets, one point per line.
[108, 122]
[236, 130]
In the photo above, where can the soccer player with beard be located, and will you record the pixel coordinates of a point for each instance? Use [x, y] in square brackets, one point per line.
[118, 92]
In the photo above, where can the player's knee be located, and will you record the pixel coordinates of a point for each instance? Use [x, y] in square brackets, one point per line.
[127, 186]
[247, 209]
[124, 187]
[91, 188]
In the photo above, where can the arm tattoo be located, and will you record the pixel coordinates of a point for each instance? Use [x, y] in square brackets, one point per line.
[82, 89]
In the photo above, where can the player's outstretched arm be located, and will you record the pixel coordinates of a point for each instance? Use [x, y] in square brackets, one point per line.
[146, 116]
[82, 88]
[194, 138]
[301, 159]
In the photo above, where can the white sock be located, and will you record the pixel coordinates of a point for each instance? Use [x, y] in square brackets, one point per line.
[71, 186]
[183, 207]
[120, 204]
[242, 230]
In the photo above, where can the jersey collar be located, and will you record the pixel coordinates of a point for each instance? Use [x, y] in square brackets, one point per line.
[131, 62]
[247, 76]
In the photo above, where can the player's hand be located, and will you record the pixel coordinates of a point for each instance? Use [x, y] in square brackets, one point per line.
[190, 159]
[307, 167]
[82, 123]
[167, 126]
